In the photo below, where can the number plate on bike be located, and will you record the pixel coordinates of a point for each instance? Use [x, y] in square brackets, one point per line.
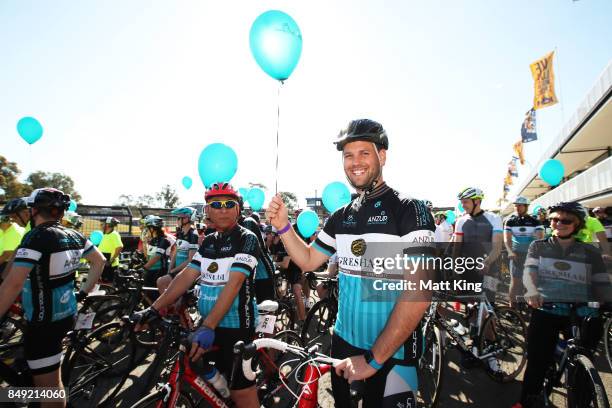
[266, 324]
[84, 321]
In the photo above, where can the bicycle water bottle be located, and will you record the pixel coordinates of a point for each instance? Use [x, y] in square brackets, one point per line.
[218, 381]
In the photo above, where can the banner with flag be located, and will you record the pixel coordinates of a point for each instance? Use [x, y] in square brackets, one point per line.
[528, 129]
[508, 180]
[543, 82]
[518, 149]
[512, 168]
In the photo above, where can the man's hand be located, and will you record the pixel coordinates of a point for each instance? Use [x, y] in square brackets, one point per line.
[202, 341]
[355, 368]
[277, 213]
[144, 317]
[516, 289]
[534, 300]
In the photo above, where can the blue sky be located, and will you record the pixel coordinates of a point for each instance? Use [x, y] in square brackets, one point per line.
[129, 93]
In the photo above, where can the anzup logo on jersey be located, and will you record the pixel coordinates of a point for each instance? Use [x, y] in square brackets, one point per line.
[562, 266]
[358, 247]
[378, 204]
[213, 267]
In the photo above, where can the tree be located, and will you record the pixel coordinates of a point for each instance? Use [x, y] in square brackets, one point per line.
[289, 199]
[168, 197]
[9, 184]
[41, 179]
[144, 200]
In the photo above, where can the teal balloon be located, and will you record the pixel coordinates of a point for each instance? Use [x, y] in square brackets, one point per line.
[450, 216]
[536, 209]
[217, 164]
[244, 192]
[336, 195]
[276, 43]
[256, 198]
[29, 129]
[96, 237]
[73, 206]
[460, 207]
[187, 182]
[552, 172]
[307, 223]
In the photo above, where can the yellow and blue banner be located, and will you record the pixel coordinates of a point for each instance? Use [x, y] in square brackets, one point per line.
[543, 82]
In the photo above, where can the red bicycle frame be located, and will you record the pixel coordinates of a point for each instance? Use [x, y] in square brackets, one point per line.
[308, 396]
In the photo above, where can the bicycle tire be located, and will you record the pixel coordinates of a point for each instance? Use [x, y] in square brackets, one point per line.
[608, 340]
[318, 323]
[151, 400]
[585, 388]
[97, 368]
[429, 391]
[285, 317]
[511, 337]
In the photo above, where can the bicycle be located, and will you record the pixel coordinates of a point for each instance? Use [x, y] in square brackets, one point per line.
[498, 337]
[607, 337]
[431, 363]
[321, 317]
[575, 372]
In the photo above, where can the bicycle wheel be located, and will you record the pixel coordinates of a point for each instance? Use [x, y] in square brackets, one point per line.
[504, 336]
[95, 364]
[285, 317]
[585, 388]
[157, 397]
[431, 367]
[318, 324]
[276, 382]
[608, 340]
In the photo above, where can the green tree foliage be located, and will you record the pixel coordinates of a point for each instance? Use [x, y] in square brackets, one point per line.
[10, 185]
[290, 200]
[167, 197]
[41, 179]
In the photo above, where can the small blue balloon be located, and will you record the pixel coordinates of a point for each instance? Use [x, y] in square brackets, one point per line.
[29, 129]
[187, 182]
[217, 164]
[450, 216]
[96, 237]
[336, 195]
[307, 223]
[536, 209]
[552, 172]
[244, 192]
[256, 198]
[276, 43]
[73, 206]
[460, 207]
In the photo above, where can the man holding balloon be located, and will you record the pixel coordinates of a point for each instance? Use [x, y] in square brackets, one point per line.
[377, 340]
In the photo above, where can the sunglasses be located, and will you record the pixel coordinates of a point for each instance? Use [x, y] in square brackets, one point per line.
[217, 205]
[564, 221]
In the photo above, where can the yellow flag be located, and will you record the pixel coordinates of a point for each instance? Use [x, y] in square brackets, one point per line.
[518, 150]
[543, 82]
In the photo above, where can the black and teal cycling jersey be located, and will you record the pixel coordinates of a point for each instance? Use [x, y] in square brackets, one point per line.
[53, 254]
[523, 229]
[383, 218]
[265, 267]
[220, 255]
[570, 275]
[185, 242]
[159, 246]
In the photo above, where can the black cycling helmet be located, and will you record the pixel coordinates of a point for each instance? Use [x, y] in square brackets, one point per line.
[13, 206]
[572, 207]
[49, 198]
[365, 130]
[255, 216]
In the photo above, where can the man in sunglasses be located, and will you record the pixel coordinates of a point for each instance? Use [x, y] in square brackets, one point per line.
[225, 266]
[560, 270]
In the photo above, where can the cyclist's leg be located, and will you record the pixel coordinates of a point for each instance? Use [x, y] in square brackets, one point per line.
[43, 352]
[321, 291]
[542, 336]
[163, 283]
[340, 349]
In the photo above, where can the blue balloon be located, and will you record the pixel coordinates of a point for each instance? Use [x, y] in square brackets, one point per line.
[536, 209]
[450, 216]
[460, 207]
[552, 172]
[217, 164]
[187, 182]
[244, 192]
[73, 206]
[256, 198]
[96, 237]
[276, 43]
[29, 129]
[307, 223]
[336, 195]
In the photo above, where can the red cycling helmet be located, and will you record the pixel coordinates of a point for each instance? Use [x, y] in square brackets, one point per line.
[221, 189]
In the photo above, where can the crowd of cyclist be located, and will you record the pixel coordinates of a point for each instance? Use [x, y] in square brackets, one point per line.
[233, 258]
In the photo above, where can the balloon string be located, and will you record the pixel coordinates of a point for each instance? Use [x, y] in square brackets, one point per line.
[277, 131]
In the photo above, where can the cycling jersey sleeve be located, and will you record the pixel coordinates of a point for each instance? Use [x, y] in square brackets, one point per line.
[30, 250]
[245, 259]
[89, 246]
[509, 224]
[193, 241]
[496, 222]
[117, 240]
[459, 226]
[532, 261]
[326, 239]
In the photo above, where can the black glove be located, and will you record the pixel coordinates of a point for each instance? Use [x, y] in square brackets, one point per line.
[145, 316]
[80, 296]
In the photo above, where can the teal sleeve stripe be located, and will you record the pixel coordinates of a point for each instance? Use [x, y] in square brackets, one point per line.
[241, 270]
[321, 249]
[498, 231]
[24, 264]
[88, 250]
[194, 266]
